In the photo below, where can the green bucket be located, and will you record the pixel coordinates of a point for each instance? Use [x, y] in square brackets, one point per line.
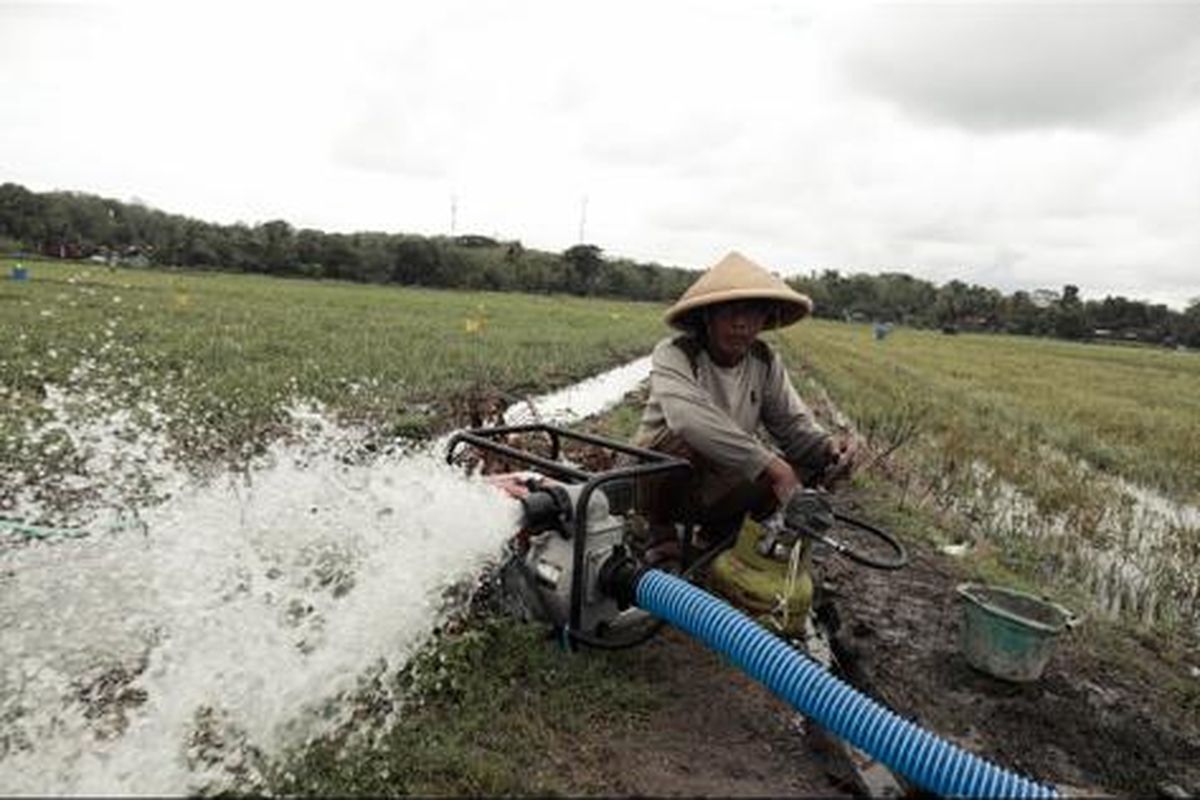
[1010, 634]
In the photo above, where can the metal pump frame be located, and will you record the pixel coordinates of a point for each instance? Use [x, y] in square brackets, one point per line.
[650, 462]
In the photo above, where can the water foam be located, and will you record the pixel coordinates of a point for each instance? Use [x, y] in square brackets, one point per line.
[134, 658]
[233, 620]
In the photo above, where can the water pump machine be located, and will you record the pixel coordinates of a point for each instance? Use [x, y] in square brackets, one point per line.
[578, 563]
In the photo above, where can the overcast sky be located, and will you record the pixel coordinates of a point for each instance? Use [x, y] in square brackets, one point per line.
[1017, 145]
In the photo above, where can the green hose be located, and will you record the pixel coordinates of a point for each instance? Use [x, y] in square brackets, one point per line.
[20, 529]
[13, 528]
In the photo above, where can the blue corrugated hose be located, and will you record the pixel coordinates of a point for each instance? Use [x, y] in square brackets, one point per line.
[927, 760]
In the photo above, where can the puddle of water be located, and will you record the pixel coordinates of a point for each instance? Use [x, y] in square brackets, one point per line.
[240, 612]
[1153, 505]
[1139, 570]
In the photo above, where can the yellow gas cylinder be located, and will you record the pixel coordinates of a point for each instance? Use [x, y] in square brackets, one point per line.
[767, 588]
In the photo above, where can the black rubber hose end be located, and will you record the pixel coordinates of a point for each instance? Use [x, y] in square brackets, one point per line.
[619, 577]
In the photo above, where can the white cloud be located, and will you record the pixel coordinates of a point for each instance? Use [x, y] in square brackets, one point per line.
[993, 66]
[1011, 145]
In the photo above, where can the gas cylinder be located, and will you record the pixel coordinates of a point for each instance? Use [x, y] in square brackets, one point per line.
[765, 586]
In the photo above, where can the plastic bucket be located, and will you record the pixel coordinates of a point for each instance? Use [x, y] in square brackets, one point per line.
[19, 273]
[1009, 634]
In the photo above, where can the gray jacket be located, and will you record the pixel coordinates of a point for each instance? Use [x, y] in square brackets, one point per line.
[719, 411]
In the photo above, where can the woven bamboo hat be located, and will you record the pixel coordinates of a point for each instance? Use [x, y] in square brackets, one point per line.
[736, 277]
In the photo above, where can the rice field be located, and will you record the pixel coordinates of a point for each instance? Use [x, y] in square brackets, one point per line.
[1078, 460]
[225, 523]
[216, 358]
[258, 548]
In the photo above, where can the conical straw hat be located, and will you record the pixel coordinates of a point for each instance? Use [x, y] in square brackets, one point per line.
[736, 277]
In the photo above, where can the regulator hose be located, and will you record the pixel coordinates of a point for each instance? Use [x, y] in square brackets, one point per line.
[927, 760]
[19, 528]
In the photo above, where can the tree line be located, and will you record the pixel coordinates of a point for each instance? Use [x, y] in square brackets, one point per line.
[899, 298]
[80, 226]
[76, 225]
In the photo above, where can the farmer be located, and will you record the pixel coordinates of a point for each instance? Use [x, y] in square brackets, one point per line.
[712, 388]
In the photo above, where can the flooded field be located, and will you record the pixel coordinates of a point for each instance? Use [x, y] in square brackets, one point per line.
[1134, 559]
[1073, 461]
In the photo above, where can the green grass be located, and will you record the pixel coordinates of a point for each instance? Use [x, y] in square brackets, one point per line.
[491, 709]
[1126, 411]
[487, 708]
[974, 417]
[223, 355]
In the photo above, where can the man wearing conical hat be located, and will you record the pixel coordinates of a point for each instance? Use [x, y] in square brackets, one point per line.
[715, 385]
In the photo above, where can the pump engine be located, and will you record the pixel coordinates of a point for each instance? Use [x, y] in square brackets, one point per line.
[578, 547]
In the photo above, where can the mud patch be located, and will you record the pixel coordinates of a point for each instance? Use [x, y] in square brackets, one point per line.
[718, 734]
[1097, 721]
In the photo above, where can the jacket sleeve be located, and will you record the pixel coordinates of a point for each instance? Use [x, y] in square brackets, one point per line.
[689, 411]
[788, 420]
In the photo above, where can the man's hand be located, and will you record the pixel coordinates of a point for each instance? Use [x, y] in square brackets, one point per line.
[782, 477]
[841, 456]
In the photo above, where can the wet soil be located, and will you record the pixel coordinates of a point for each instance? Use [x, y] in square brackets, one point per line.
[1100, 719]
[1113, 713]
[717, 733]
[1097, 722]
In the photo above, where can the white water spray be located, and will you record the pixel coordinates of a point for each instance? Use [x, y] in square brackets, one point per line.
[249, 601]
[238, 615]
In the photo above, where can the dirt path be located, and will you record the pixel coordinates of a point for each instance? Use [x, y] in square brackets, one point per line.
[719, 734]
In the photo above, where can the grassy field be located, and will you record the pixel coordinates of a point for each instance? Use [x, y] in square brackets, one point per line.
[222, 355]
[250, 340]
[1038, 444]
[965, 418]
[975, 421]
[1132, 412]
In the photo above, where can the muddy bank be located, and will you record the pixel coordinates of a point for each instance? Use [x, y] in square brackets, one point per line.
[1109, 714]
[714, 733]
[1115, 712]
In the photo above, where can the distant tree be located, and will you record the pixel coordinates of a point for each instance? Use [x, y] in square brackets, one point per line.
[1187, 328]
[1070, 322]
[339, 257]
[278, 247]
[374, 258]
[198, 247]
[73, 225]
[903, 298]
[22, 214]
[309, 244]
[414, 261]
[1021, 315]
[952, 303]
[585, 263]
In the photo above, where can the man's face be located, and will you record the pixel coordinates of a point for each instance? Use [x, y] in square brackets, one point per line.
[732, 328]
